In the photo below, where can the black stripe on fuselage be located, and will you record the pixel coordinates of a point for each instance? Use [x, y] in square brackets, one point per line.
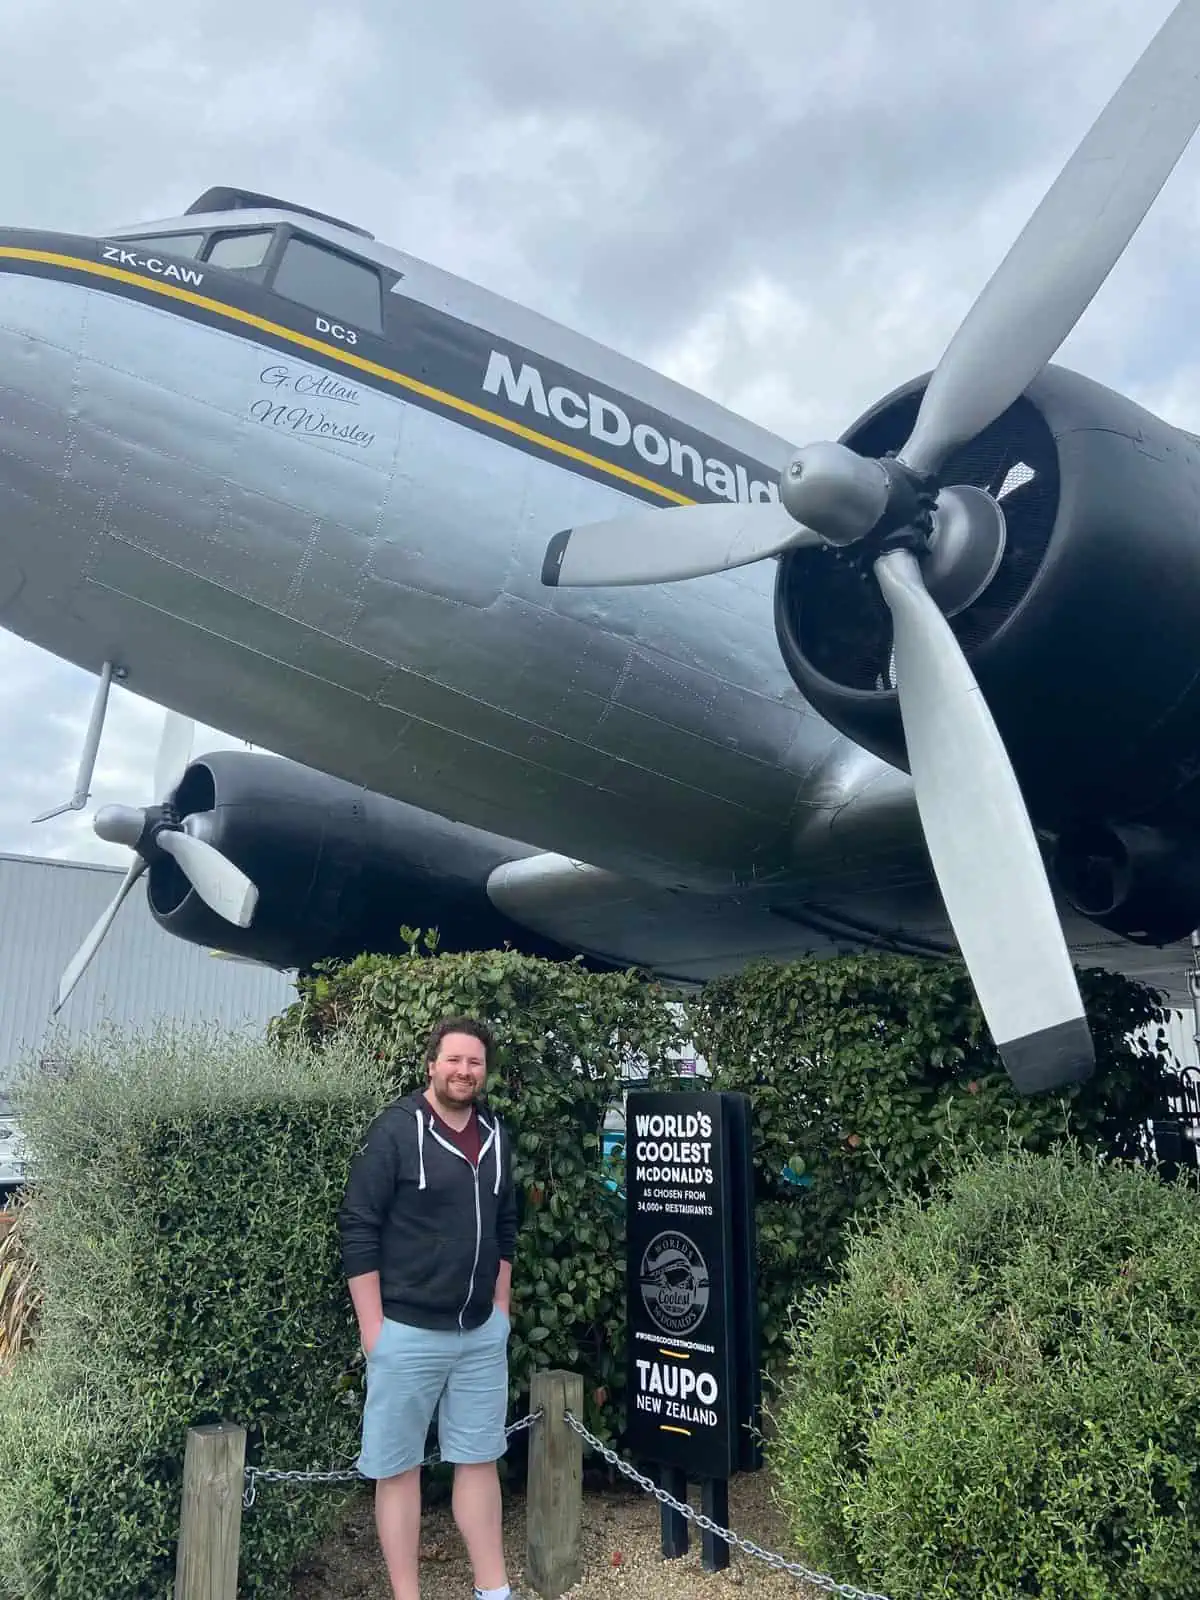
[428, 359]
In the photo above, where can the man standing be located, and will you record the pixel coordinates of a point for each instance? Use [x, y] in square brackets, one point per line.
[428, 1230]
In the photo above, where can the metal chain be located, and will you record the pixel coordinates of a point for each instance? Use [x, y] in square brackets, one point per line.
[779, 1563]
[817, 1579]
[256, 1475]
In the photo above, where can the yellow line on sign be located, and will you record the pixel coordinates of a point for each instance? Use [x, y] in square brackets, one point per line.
[667, 1428]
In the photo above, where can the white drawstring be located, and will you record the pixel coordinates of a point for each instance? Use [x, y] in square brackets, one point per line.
[421, 1150]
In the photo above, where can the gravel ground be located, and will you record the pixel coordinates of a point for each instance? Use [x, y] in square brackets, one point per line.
[621, 1553]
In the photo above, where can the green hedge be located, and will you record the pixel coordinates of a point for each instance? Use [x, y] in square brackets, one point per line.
[869, 1074]
[863, 1073]
[184, 1226]
[564, 1038]
[186, 1209]
[999, 1396]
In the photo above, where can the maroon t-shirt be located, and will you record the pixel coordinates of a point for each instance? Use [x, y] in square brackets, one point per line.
[469, 1140]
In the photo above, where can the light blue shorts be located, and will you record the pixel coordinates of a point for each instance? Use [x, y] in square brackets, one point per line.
[413, 1372]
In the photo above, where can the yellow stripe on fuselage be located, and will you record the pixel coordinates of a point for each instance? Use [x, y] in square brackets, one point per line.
[171, 291]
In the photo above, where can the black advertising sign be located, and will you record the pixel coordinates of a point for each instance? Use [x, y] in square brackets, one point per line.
[686, 1399]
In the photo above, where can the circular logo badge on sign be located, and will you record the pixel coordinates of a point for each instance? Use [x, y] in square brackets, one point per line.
[674, 1283]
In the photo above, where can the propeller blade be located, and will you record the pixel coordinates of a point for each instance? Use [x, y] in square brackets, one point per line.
[982, 845]
[82, 957]
[1068, 246]
[174, 753]
[671, 543]
[214, 877]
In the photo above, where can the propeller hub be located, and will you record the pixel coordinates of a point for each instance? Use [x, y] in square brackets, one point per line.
[120, 825]
[136, 827]
[835, 492]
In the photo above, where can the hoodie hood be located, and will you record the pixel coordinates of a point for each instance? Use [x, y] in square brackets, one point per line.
[418, 1106]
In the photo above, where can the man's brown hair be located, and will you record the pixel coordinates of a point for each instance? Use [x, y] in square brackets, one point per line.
[468, 1025]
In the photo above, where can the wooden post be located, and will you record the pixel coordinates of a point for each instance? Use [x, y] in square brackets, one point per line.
[210, 1529]
[554, 1496]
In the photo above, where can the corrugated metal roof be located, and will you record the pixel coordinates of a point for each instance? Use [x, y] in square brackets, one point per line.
[140, 974]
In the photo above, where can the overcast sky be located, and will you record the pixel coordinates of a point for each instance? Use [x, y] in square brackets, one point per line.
[785, 203]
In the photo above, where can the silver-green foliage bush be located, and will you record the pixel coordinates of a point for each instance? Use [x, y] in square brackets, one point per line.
[184, 1223]
[999, 1397]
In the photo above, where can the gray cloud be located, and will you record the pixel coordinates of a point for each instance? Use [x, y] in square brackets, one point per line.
[788, 206]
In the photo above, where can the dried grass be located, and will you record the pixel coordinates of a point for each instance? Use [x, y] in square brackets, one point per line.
[20, 1294]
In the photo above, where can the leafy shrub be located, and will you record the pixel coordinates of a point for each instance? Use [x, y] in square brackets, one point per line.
[185, 1227]
[185, 1219]
[999, 1395]
[564, 1039]
[863, 1072]
[868, 1073]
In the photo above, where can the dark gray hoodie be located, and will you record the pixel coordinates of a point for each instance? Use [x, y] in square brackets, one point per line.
[435, 1228]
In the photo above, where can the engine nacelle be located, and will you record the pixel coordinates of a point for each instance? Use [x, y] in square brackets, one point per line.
[1086, 642]
[1138, 882]
[338, 871]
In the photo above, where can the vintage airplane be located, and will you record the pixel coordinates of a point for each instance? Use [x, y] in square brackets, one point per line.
[423, 543]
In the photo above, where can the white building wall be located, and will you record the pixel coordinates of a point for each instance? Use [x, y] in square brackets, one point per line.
[139, 976]
[1180, 1032]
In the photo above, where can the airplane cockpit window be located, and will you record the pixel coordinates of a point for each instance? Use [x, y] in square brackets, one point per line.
[239, 252]
[175, 244]
[325, 280]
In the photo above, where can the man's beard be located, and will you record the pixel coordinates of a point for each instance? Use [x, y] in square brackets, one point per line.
[456, 1095]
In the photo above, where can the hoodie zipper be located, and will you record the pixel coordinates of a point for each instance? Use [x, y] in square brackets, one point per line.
[478, 1242]
[455, 1151]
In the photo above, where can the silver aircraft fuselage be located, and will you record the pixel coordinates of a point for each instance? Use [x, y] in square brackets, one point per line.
[324, 534]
